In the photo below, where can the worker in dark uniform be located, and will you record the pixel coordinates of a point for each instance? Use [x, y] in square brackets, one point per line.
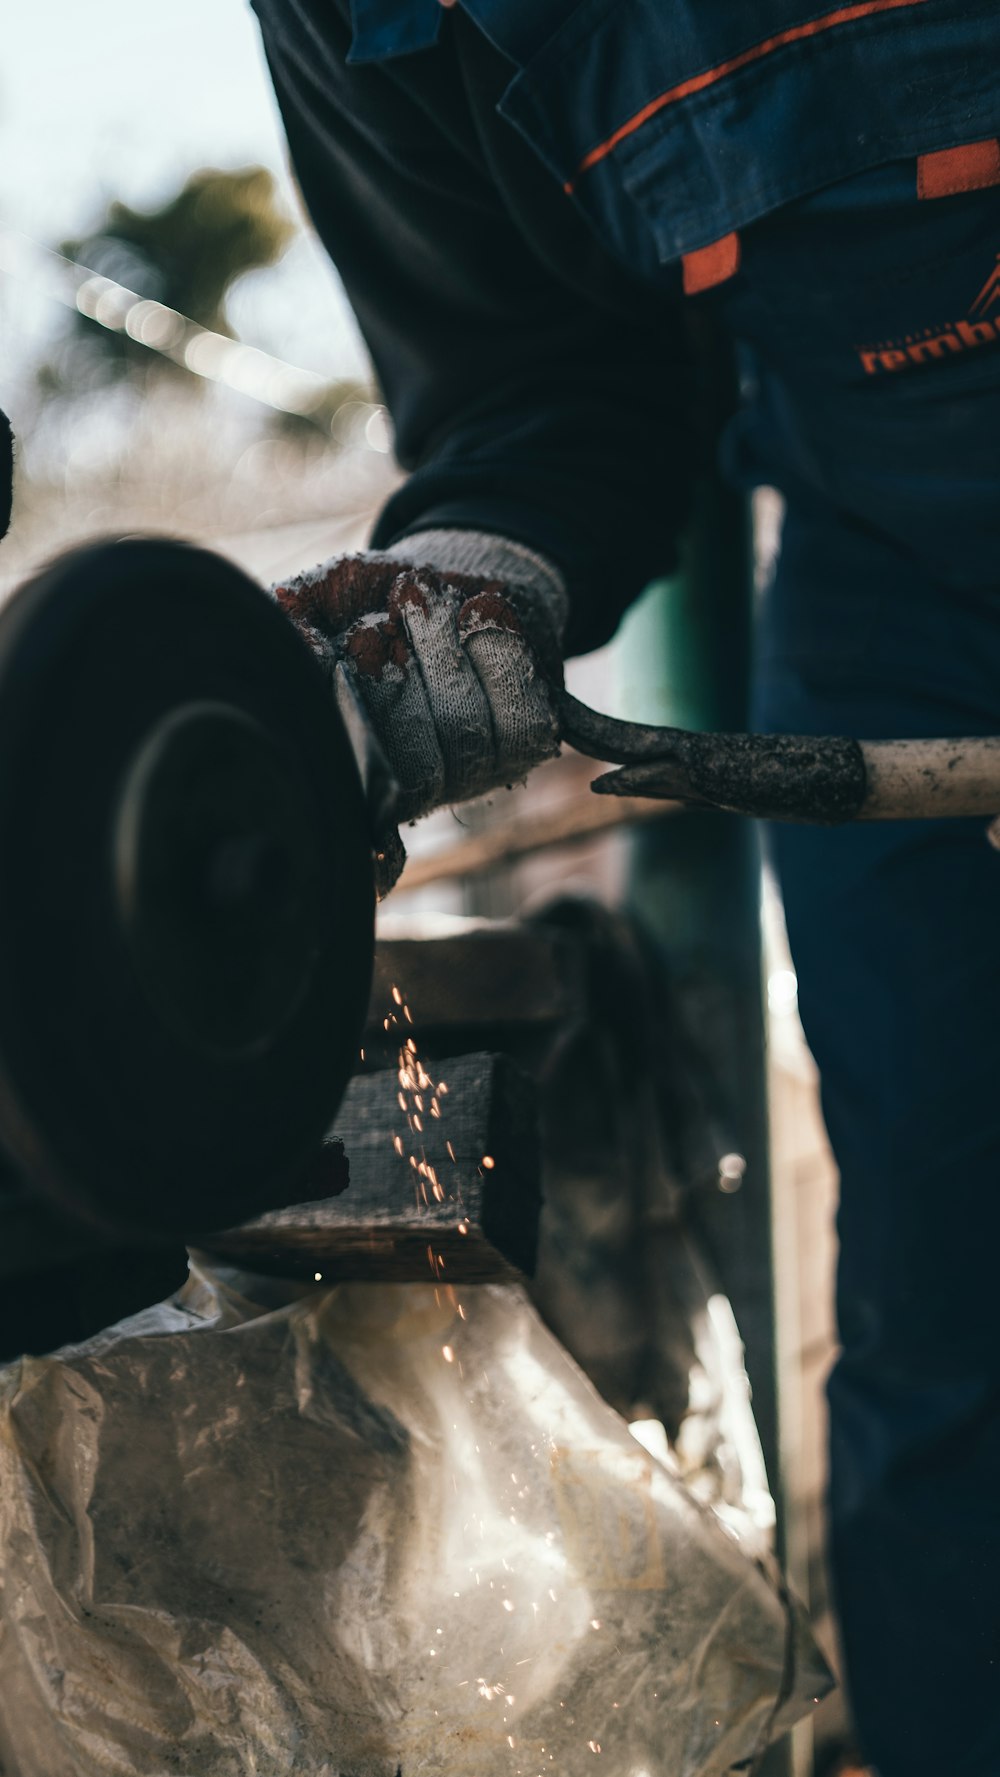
[535, 205]
[539, 208]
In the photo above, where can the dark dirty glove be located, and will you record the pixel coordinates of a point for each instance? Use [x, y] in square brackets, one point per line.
[454, 645]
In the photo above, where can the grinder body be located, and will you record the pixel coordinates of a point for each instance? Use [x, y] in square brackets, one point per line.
[186, 901]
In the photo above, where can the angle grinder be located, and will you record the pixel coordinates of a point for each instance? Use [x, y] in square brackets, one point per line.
[186, 896]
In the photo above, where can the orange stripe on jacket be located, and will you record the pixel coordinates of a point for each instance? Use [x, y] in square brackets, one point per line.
[844, 15]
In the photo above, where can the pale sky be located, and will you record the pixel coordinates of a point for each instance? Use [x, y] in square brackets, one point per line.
[102, 98]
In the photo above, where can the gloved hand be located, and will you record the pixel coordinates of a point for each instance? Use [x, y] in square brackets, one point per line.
[453, 640]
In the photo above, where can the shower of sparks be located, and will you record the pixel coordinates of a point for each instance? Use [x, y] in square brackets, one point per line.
[418, 1096]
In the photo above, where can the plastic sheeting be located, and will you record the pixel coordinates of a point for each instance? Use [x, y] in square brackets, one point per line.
[368, 1530]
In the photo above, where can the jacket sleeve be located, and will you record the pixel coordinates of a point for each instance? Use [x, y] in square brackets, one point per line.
[536, 389]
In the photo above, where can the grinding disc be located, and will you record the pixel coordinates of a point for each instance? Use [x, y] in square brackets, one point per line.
[186, 899]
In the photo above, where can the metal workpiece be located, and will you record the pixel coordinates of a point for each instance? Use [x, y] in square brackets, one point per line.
[931, 779]
[823, 779]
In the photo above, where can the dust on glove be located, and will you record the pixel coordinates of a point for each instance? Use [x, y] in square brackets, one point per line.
[456, 669]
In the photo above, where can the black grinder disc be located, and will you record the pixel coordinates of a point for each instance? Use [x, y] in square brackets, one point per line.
[186, 895]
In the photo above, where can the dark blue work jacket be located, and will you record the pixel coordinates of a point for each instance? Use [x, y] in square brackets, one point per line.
[675, 122]
[528, 201]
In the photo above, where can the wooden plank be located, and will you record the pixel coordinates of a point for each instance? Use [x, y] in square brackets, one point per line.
[524, 835]
[495, 976]
[451, 1197]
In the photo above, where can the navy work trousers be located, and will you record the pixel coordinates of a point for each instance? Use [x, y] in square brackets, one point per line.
[884, 619]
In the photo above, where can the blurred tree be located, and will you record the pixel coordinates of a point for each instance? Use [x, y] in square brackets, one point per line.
[187, 254]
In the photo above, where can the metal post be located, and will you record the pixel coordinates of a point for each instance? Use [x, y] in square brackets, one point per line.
[695, 884]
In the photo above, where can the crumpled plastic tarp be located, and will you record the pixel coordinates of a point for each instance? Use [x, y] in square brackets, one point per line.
[361, 1531]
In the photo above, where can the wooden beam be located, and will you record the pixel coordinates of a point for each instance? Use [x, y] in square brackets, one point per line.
[507, 841]
[493, 976]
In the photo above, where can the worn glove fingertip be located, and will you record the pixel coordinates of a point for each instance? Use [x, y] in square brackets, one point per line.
[336, 593]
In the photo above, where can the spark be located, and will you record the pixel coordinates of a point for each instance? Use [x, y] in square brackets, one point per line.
[451, 1152]
[595, 1622]
[595, 1745]
[488, 1161]
[508, 1604]
[449, 1357]
[397, 1142]
[317, 1277]
[397, 996]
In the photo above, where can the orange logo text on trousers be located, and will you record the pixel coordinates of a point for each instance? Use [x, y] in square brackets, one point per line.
[936, 343]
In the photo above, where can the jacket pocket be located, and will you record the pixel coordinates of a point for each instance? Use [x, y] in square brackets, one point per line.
[671, 129]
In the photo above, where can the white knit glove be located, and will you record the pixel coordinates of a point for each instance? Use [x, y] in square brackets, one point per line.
[453, 640]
